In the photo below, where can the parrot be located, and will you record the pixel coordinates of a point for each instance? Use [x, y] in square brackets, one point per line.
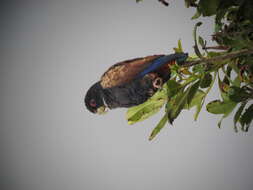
[131, 82]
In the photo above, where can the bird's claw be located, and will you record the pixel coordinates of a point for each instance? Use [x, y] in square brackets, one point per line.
[158, 83]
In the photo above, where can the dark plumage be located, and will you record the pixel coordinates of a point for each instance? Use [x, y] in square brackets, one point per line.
[130, 83]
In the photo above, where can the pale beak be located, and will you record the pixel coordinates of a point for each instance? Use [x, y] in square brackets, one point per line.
[102, 110]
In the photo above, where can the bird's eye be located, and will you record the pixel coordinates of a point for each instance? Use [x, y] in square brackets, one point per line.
[93, 103]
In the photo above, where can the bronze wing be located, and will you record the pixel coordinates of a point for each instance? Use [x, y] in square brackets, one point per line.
[125, 71]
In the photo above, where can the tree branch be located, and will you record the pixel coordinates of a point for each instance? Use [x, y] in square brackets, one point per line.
[218, 58]
[216, 47]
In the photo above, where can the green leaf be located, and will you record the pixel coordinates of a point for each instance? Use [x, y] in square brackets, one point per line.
[198, 68]
[174, 70]
[237, 94]
[201, 103]
[237, 81]
[148, 108]
[198, 108]
[196, 15]
[223, 89]
[137, 1]
[197, 99]
[180, 46]
[143, 111]
[180, 101]
[217, 27]
[234, 67]
[247, 118]
[173, 105]
[201, 42]
[238, 115]
[192, 91]
[189, 3]
[208, 7]
[172, 87]
[220, 121]
[159, 126]
[179, 49]
[206, 80]
[227, 77]
[218, 107]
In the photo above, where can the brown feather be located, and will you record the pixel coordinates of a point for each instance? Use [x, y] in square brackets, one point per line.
[125, 71]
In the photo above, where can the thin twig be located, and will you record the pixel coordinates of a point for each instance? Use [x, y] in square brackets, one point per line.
[216, 47]
[164, 2]
[218, 58]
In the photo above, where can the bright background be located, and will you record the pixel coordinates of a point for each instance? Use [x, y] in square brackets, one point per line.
[52, 52]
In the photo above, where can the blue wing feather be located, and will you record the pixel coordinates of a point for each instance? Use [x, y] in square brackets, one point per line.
[179, 57]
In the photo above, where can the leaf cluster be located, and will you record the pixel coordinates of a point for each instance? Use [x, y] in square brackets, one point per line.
[224, 63]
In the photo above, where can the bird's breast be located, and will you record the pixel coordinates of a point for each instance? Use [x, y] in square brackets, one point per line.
[131, 94]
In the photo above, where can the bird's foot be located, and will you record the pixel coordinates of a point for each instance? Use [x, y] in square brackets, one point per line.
[158, 83]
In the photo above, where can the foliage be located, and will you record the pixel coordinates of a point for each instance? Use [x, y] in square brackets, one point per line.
[230, 63]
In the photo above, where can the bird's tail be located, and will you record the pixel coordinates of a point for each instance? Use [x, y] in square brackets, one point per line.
[178, 57]
[165, 61]
[183, 58]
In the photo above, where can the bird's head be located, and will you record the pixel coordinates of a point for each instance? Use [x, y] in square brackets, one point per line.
[94, 99]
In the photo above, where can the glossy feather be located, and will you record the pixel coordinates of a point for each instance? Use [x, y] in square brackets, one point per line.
[126, 71]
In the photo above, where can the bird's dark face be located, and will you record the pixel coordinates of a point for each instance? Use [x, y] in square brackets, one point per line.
[94, 99]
